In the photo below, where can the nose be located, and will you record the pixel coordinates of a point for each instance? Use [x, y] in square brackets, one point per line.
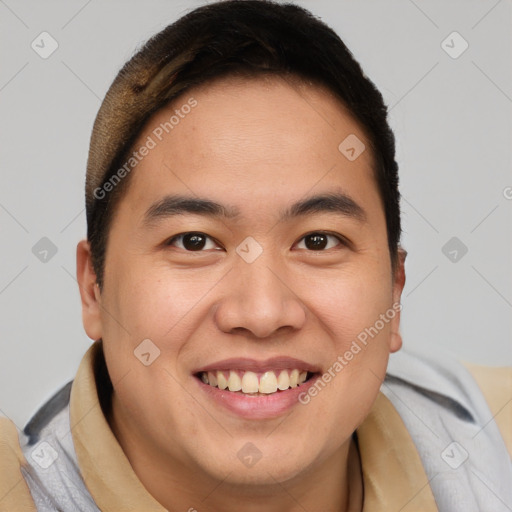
[258, 299]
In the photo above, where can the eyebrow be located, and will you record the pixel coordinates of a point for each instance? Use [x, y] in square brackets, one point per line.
[173, 205]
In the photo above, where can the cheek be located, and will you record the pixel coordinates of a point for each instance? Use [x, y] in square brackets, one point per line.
[349, 301]
[150, 303]
[154, 297]
[153, 302]
[353, 309]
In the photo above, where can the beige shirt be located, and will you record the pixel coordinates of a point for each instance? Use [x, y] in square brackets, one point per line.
[393, 475]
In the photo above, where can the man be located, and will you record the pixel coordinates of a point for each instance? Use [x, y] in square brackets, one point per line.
[241, 279]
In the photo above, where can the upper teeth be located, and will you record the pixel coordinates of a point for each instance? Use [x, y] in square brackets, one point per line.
[251, 382]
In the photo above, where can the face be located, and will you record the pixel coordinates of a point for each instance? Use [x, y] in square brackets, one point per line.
[248, 251]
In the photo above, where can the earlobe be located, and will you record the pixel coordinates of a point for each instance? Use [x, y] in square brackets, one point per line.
[89, 291]
[398, 286]
[396, 342]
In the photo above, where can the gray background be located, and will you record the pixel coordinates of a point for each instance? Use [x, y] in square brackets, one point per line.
[451, 117]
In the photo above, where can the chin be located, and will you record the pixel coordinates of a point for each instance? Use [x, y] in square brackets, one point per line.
[263, 474]
[248, 466]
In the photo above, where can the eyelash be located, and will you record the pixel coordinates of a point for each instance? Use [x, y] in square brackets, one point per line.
[342, 241]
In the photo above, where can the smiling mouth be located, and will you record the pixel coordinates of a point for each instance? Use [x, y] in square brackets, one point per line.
[255, 383]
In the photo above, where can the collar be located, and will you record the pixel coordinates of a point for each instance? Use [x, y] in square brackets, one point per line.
[439, 374]
[393, 475]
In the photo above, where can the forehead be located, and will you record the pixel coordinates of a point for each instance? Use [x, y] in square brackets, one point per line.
[248, 138]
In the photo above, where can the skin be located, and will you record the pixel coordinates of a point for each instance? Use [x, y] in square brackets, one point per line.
[258, 145]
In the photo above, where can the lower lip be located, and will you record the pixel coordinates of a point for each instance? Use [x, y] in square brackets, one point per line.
[257, 407]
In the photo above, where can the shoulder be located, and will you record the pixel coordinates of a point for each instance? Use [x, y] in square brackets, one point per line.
[482, 393]
[456, 415]
[24, 476]
[496, 386]
[440, 373]
[14, 492]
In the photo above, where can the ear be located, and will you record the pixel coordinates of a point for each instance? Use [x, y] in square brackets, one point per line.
[398, 286]
[89, 291]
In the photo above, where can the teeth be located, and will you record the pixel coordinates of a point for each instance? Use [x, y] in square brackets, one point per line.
[212, 379]
[250, 382]
[267, 383]
[234, 381]
[283, 381]
[221, 381]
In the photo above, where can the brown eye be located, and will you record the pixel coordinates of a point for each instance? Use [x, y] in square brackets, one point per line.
[192, 241]
[316, 241]
[319, 241]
